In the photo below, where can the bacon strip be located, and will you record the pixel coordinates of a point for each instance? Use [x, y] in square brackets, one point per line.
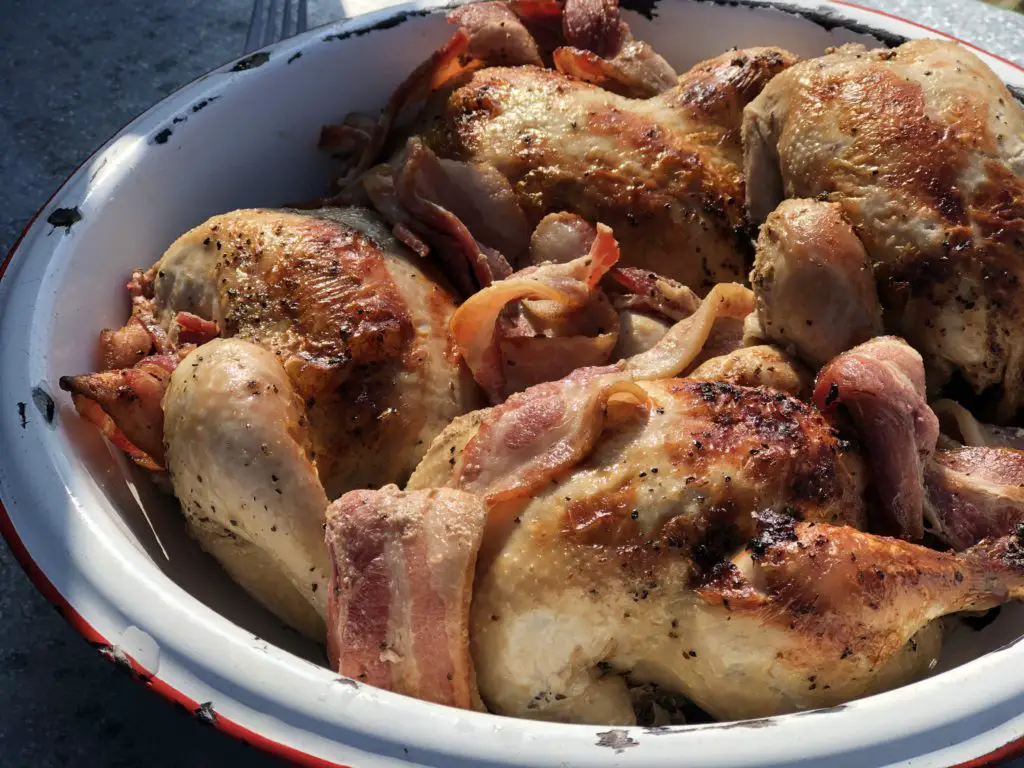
[466, 212]
[973, 494]
[650, 292]
[442, 64]
[536, 435]
[684, 341]
[398, 607]
[881, 384]
[192, 329]
[126, 406]
[566, 289]
[601, 50]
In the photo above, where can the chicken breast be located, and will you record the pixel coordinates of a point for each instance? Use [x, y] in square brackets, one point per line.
[923, 148]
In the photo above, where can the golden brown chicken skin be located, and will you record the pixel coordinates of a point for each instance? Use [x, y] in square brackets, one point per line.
[923, 148]
[706, 541]
[664, 173]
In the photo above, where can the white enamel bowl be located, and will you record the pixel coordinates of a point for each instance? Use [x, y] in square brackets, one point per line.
[113, 556]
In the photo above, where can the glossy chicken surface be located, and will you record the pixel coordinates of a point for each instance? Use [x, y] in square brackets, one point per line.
[923, 148]
[670, 553]
[335, 370]
[665, 173]
[746, 500]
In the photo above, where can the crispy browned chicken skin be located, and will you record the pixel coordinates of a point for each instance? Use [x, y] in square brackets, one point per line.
[664, 173]
[666, 549]
[923, 148]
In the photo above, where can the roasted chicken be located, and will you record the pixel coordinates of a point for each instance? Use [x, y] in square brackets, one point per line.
[663, 171]
[922, 147]
[336, 370]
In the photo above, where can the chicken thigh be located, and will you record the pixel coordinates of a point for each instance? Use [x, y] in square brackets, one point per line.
[922, 146]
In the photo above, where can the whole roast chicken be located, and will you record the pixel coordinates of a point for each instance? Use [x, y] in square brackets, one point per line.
[922, 149]
[274, 360]
[610, 134]
[629, 530]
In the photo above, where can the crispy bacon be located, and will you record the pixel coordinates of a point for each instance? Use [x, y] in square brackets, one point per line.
[881, 384]
[398, 607]
[192, 329]
[973, 494]
[536, 435]
[466, 212]
[126, 406]
[560, 290]
[650, 292]
[684, 341]
[601, 50]
[126, 346]
[364, 144]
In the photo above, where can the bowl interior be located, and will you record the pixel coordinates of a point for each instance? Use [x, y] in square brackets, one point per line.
[248, 138]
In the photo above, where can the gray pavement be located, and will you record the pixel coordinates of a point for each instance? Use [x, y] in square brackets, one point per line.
[71, 74]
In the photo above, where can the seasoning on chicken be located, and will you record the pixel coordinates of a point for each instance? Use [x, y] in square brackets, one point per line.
[922, 146]
[335, 371]
[242, 465]
[658, 547]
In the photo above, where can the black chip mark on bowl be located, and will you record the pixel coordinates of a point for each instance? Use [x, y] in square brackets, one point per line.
[202, 103]
[205, 713]
[294, 56]
[826, 18]
[64, 217]
[617, 739]
[388, 23]
[646, 8]
[251, 62]
[346, 681]
[21, 414]
[179, 119]
[161, 137]
[44, 403]
[978, 623]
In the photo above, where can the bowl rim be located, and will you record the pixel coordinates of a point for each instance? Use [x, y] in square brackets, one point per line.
[996, 744]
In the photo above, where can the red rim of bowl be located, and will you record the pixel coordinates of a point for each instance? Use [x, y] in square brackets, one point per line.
[1003, 754]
